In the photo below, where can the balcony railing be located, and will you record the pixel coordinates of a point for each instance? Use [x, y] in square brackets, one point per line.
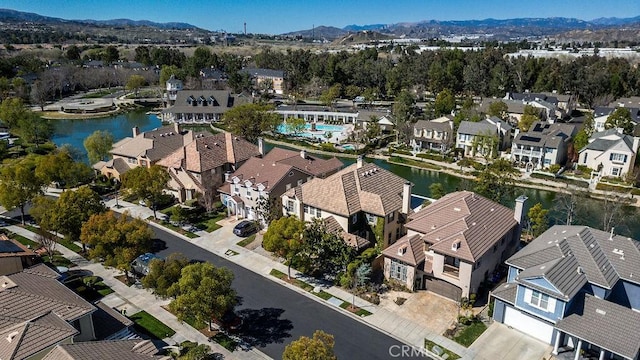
[451, 270]
[527, 152]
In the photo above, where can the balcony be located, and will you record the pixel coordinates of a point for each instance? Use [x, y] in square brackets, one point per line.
[451, 270]
[527, 152]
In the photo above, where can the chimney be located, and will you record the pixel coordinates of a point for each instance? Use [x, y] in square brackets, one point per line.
[136, 131]
[261, 146]
[406, 197]
[176, 128]
[519, 210]
[636, 143]
[303, 154]
[359, 161]
[227, 174]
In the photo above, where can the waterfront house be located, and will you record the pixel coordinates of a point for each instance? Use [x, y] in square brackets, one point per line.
[198, 168]
[484, 138]
[602, 113]
[201, 106]
[433, 135]
[543, 145]
[143, 149]
[353, 202]
[173, 86]
[577, 288]
[454, 244]
[274, 79]
[258, 184]
[610, 153]
[547, 104]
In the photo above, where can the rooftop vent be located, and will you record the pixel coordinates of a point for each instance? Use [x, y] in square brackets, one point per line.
[601, 312]
[455, 245]
[12, 336]
[402, 250]
[579, 270]
[456, 209]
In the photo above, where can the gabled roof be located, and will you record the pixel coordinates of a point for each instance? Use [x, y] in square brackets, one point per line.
[110, 320]
[263, 72]
[408, 249]
[353, 240]
[260, 171]
[435, 124]
[304, 162]
[604, 324]
[477, 128]
[506, 292]
[545, 134]
[351, 190]
[607, 139]
[474, 221]
[154, 144]
[107, 350]
[207, 152]
[221, 101]
[602, 258]
[21, 339]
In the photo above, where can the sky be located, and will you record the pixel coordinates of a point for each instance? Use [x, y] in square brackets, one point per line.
[281, 16]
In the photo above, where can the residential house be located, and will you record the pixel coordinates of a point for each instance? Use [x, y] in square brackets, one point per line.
[601, 114]
[433, 135]
[37, 312]
[212, 78]
[144, 149]
[354, 201]
[546, 104]
[543, 145]
[515, 109]
[610, 153]
[14, 257]
[454, 244]
[483, 137]
[576, 288]
[173, 86]
[136, 349]
[267, 178]
[318, 114]
[198, 168]
[273, 79]
[566, 103]
[201, 106]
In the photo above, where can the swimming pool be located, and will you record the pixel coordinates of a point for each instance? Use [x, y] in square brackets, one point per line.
[282, 128]
[348, 147]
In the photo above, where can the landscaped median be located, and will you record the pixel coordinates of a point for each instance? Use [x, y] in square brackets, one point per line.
[321, 294]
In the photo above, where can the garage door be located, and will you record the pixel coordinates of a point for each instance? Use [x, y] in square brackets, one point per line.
[528, 325]
[443, 288]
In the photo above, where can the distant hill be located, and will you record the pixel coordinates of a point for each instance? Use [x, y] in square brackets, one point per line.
[327, 32]
[496, 29]
[360, 37]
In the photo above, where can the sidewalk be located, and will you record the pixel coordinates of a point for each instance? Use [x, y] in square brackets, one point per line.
[220, 241]
[135, 299]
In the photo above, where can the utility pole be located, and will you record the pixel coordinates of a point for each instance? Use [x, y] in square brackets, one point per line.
[245, 28]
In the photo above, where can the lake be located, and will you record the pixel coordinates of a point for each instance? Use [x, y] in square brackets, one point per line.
[74, 132]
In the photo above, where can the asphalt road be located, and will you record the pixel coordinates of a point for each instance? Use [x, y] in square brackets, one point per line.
[275, 315]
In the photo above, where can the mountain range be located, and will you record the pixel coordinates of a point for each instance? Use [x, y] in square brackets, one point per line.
[498, 29]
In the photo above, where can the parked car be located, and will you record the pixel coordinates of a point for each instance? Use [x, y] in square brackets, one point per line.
[245, 228]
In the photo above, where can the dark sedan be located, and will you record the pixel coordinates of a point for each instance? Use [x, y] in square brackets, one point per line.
[245, 228]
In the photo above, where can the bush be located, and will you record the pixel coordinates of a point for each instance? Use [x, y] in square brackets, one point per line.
[554, 168]
[328, 147]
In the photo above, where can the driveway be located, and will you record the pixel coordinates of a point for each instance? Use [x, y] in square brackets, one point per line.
[431, 311]
[499, 342]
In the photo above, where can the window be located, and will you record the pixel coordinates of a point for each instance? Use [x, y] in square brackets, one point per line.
[615, 171]
[290, 205]
[318, 213]
[249, 193]
[300, 182]
[288, 187]
[306, 209]
[390, 217]
[618, 157]
[354, 218]
[539, 299]
[398, 270]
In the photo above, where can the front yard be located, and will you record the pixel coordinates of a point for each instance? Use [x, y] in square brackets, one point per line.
[151, 326]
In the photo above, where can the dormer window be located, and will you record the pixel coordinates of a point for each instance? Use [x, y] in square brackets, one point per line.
[455, 245]
[402, 250]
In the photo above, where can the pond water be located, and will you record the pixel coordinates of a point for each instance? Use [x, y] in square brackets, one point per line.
[73, 132]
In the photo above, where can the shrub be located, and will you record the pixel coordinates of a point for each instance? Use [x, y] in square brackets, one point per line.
[554, 168]
[328, 147]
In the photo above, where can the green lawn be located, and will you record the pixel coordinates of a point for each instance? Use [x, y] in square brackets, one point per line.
[468, 335]
[209, 224]
[151, 325]
[428, 344]
[226, 342]
[248, 240]
[58, 260]
[299, 283]
[24, 241]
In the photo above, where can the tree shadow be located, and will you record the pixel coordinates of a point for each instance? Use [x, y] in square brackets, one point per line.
[263, 326]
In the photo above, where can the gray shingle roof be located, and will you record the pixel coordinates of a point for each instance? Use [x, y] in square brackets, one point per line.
[476, 128]
[604, 324]
[222, 101]
[506, 292]
[547, 135]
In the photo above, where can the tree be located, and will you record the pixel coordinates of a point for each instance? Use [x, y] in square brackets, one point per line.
[134, 83]
[498, 109]
[73, 53]
[587, 125]
[403, 112]
[486, 143]
[497, 181]
[98, 145]
[41, 92]
[74, 208]
[44, 211]
[323, 252]
[12, 110]
[110, 54]
[19, 185]
[146, 183]
[580, 140]
[164, 273]
[330, 95]
[203, 293]
[284, 237]
[527, 119]
[295, 125]
[445, 103]
[620, 118]
[373, 129]
[167, 71]
[268, 209]
[437, 190]
[197, 352]
[116, 240]
[48, 241]
[538, 220]
[59, 167]
[320, 347]
[250, 120]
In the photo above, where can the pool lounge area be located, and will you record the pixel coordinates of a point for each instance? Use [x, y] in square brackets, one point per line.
[323, 132]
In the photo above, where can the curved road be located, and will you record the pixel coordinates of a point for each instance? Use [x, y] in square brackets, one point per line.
[275, 315]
